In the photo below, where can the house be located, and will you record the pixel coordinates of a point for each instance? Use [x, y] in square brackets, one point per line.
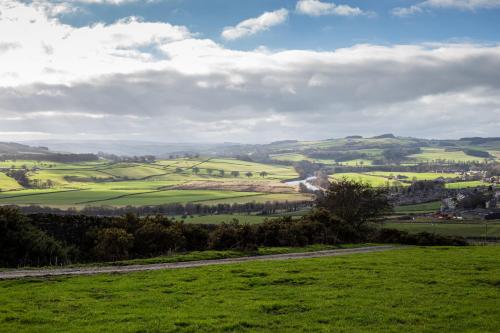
[448, 205]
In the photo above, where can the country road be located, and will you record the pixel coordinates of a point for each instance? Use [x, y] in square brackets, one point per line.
[15, 274]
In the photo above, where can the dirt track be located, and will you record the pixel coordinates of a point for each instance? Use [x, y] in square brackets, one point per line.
[14, 274]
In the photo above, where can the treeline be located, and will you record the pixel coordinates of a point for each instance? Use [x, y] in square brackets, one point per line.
[338, 156]
[477, 153]
[61, 158]
[267, 208]
[128, 159]
[45, 239]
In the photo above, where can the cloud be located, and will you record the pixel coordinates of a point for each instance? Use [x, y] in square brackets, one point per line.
[156, 81]
[452, 4]
[318, 8]
[255, 25]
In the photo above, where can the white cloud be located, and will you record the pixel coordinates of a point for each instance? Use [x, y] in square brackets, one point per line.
[407, 11]
[318, 8]
[453, 4]
[160, 82]
[254, 25]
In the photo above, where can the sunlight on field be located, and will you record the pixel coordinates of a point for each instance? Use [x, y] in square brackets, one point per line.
[435, 154]
[376, 181]
[166, 181]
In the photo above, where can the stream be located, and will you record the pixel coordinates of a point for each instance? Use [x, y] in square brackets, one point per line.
[306, 182]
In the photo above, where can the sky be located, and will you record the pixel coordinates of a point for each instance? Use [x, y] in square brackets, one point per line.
[250, 71]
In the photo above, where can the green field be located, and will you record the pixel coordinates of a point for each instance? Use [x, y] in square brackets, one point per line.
[410, 176]
[440, 289]
[490, 229]
[377, 181]
[137, 184]
[7, 183]
[466, 184]
[382, 178]
[428, 207]
[437, 154]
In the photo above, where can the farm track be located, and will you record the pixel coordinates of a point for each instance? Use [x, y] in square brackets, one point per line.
[16, 274]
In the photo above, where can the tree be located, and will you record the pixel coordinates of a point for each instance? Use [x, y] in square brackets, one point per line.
[249, 174]
[113, 244]
[235, 173]
[196, 170]
[355, 202]
[210, 171]
[263, 174]
[222, 173]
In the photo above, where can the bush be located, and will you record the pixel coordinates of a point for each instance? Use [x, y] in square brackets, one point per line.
[157, 236]
[22, 244]
[113, 244]
[423, 238]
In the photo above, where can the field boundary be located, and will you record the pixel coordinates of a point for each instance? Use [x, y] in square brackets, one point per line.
[16, 274]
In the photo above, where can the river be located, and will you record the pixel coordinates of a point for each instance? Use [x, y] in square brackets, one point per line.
[306, 182]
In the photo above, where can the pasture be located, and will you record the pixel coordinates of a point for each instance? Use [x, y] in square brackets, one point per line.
[377, 181]
[428, 207]
[420, 289]
[182, 180]
[439, 154]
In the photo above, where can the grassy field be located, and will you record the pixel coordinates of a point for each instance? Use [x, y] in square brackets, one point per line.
[7, 183]
[428, 207]
[435, 154]
[377, 181]
[412, 290]
[410, 176]
[490, 229]
[135, 184]
[466, 184]
[296, 157]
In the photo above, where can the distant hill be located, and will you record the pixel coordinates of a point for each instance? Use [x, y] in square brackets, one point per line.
[375, 149]
[12, 150]
[385, 136]
[18, 148]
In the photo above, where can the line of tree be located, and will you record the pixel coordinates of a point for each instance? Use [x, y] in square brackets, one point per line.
[262, 208]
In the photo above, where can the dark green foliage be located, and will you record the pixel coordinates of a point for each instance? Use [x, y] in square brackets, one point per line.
[355, 202]
[476, 199]
[477, 153]
[157, 235]
[113, 244]
[23, 244]
[423, 238]
[338, 156]
[52, 239]
[21, 176]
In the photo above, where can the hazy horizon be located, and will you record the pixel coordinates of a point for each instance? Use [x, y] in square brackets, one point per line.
[189, 71]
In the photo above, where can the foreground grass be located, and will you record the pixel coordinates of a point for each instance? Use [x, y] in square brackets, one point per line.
[412, 290]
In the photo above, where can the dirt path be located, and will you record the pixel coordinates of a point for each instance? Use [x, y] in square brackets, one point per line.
[14, 274]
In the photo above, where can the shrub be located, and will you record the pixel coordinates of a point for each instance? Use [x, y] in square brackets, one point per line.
[113, 244]
[23, 244]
